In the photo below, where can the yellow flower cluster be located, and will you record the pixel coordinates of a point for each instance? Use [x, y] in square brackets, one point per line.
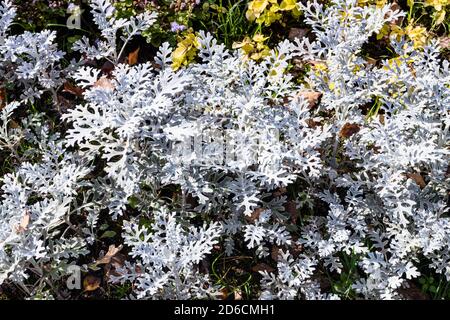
[185, 52]
[320, 69]
[269, 11]
[439, 7]
[417, 34]
[378, 3]
[395, 63]
[253, 48]
[437, 4]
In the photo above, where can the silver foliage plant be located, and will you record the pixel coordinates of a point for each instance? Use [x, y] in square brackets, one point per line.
[230, 134]
[29, 62]
[37, 239]
[167, 258]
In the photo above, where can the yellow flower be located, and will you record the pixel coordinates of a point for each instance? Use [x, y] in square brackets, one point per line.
[253, 48]
[185, 52]
[268, 17]
[439, 7]
[290, 5]
[260, 55]
[255, 9]
[246, 46]
[319, 66]
[269, 11]
[384, 31]
[378, 3]
[259, 38]
[439, 16]
[417, 34]
[393, 62]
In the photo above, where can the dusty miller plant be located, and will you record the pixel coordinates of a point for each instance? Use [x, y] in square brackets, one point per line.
[29, 62]
[230, 135]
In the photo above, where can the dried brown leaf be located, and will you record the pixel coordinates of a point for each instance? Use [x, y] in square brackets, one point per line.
[312, 97]
[348, 130]
[444, 42]
[112, 252]
[254, 215]
[262, 267]
[107, 67]
[279, 192]
[133, 57]
[91, 283]
[2, 98]
[70, 88]
[24, 222]
[275, 253]
[396, 6]
[223, 294]
[291, 208]
[116, 262]
[238, 295]
[417, 178]
[295, 249]
[297, 33]
[104, 83]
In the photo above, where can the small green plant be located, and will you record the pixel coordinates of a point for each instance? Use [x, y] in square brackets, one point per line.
[342, 284]
[436, 286]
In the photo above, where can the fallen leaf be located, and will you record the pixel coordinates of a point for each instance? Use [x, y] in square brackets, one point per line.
[254, 215]
[70, 88]
[298, 63]
[297, 33]
[413, 71]
[64, 104]
[291, 208]
[279, 192]
[238, 295]
[13, 124]
[104, 83]
[262, 267]
[112, 251]
[275, 253]
[371, 61]
[91, 283]
[115, 263]
[312, 97]
[417, 178]
[444, 42]
[108, 234]
[2, 98]
[348, 130]
[295, 249]
[312, 124]
[133, 57]
[23, 226]
[107, 67]
[223, 294]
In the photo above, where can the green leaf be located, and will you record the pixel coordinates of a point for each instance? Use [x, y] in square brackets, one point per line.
[104, 227]
[108, 234]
